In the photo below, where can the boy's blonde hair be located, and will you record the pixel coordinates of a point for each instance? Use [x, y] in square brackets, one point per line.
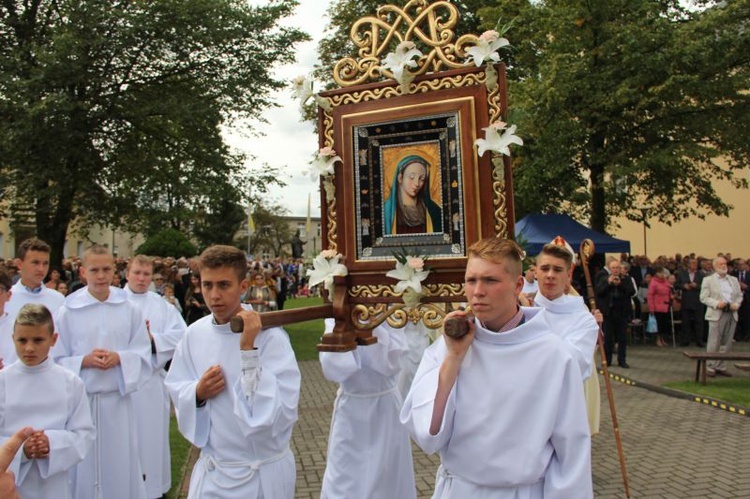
[35, 314]
[498, 250]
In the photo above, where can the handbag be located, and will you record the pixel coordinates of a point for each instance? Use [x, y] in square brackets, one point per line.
[651, 326]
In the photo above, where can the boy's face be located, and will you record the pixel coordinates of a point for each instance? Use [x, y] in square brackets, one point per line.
[33, 267]
[99, 271]
[139, 277]
[222, 290]
[33, 343]
[492, 291]
[553, 275]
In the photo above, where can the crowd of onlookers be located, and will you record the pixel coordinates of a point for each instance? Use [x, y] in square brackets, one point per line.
[177, 280]
[670, 276]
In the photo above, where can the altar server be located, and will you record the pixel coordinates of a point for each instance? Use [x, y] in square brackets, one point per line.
[165, 327]
[235, 394]
[570, 317]
[36, 392]
[503, 405]
[366, 434]
[103, 339]
[32, 261]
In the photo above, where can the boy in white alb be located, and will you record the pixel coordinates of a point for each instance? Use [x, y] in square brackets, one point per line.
[570, 317]
[35, 391]
[366, 434]
[33, 264]
[103, 339]
[7, 348]
[235, 394]
[166, 328]
[503, 405]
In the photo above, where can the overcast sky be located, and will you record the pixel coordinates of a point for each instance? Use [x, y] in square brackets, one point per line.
[288, 143]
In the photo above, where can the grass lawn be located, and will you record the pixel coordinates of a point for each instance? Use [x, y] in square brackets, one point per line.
[305, 335]
[734, 390]
[179, 448]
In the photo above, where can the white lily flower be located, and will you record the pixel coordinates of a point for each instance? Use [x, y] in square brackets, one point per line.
[303, 89]
[397, 61]
[486, 48]
[324, 269]
[496, 142]
[323, 163]
[408, 277]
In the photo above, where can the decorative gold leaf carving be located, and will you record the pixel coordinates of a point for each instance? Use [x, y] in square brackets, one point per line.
[429, 24]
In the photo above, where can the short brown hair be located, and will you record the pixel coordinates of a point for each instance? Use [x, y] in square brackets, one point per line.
[32, 244]
[499, 250]
[35, 314]
[218, 256]
[556, 251]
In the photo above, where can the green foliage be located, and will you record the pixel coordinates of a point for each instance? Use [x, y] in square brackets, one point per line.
[111, 112]
[627, 103]
[272, 231]
[219, 223]
[168, 242]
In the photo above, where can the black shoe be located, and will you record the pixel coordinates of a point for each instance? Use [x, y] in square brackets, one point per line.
[723, 373]
[624, 365]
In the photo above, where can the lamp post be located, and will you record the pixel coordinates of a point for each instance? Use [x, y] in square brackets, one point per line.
[644, 219]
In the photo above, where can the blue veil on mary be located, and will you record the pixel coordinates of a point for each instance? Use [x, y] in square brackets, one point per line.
[392, 213]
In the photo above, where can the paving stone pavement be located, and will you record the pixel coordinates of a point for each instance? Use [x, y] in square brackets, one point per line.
[674, 448]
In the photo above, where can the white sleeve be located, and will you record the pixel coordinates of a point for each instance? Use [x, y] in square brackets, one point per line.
[135, 359]
[68, 447]
[339, 366]
[250, 367]
[581, 342]
[193, 421]
[416, 413]
[273, 405]
[166, 341]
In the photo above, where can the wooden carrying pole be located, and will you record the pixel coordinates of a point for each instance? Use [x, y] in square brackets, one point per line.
[587, 249]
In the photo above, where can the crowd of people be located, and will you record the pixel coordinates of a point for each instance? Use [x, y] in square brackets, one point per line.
[87, 380]
[177, 280]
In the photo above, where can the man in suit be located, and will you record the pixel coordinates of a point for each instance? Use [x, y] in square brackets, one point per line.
[742, 273]
[689, 282]
[721, 294]
[639, 269]
[613, 294]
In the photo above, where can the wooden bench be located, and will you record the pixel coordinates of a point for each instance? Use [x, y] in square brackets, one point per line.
[702, 357]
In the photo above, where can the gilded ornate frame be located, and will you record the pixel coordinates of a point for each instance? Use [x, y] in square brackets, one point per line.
[442, 83]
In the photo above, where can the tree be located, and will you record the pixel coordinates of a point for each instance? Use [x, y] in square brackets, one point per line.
[628, 105]
[272, 231]
[111, 111]
[168, 242]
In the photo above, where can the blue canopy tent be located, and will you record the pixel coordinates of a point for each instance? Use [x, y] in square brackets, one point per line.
[536, 230]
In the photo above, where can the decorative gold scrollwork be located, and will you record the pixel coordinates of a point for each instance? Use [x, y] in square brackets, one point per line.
[431, 25]
[385, 290]
[498, 187]
[397, 315]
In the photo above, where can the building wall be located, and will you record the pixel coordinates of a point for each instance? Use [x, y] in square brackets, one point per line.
[702, 237]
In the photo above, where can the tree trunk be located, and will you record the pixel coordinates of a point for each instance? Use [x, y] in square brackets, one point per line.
[52, 222]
